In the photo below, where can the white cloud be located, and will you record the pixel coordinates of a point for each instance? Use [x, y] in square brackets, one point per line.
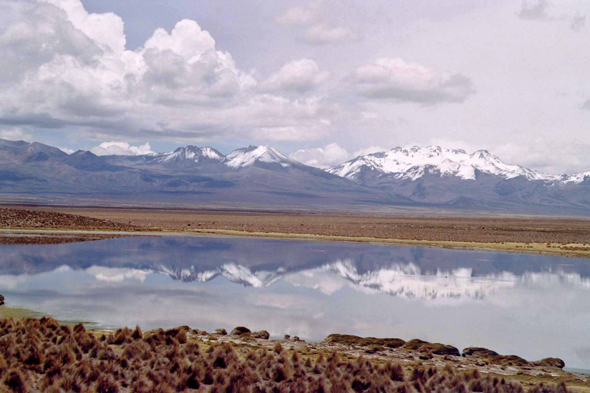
[324, 34]
[14, 134]
[388, 78]
[317, 18]
[322, 157]
[297, 75]
[62, 66]
[298, 16]
[121, 149]
[540, 153]
[66, 150]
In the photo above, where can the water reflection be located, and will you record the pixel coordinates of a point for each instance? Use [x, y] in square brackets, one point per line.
[536, 306]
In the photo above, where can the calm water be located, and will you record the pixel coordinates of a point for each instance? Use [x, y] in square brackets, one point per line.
[533, 306]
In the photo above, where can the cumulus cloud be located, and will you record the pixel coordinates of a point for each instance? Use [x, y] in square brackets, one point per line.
[324, 34]
[121, 149]
[533, 11]
[322, 157]
[298, 75]
[62, 66]
[388, 78]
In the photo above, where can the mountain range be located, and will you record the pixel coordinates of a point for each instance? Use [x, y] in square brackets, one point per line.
[261, 176]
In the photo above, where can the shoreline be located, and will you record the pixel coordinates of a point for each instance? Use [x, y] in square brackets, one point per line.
[541, 236]
[89, 235]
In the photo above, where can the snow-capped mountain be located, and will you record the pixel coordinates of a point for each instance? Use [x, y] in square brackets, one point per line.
[239, 158]
[414, 162]
[251, 155]
[190, 153]
[261, 176]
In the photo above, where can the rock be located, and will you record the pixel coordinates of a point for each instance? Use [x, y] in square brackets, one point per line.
[432, 348]
[221, 332]
[442, 349]
[550, 362]
[415, 344]
[238, 331]
[287, 337]
[263, 334]
[348, 339]
[479, 352]
[508, 360]
[1, 300]
[296, 338]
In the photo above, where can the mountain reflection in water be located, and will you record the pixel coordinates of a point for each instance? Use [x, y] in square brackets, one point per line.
[535, 306]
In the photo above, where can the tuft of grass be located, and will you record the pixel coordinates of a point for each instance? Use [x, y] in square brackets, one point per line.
[40, 355]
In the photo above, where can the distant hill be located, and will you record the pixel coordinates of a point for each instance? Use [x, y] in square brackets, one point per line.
[263, 177]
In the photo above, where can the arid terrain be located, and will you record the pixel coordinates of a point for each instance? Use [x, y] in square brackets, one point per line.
[569, 237]
[42, 355]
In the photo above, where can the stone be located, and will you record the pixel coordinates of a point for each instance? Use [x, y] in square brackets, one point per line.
[550, 362]
[239, 330]
[479, 352]
[221, 332]
[263, 334]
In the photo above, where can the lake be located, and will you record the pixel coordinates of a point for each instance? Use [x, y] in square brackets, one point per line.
[530, 305]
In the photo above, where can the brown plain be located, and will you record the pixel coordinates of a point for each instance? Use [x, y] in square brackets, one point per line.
[569, 237]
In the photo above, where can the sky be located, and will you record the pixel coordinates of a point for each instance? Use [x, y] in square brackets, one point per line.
[321, 80]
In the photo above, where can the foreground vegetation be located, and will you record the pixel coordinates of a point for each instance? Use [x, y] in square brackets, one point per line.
[42, 355]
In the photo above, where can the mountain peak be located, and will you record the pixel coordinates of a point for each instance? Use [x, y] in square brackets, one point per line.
[191, 153]
[250, 155]
[414, 162]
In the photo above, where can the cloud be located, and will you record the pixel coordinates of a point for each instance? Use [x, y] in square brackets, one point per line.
[64, 67]
[533, 11]
[67, 150]
[320, 30]
[388, 78]
[121, 148]
[14, 134]
[578, 22]
[298, 16]
[586, 105]
[539, 154]
[297, 75]
[325, 34]
[322, 157]
[291, 134]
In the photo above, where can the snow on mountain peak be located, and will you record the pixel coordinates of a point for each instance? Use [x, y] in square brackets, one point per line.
[191, 153]
[249, 155]
[412, 163]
